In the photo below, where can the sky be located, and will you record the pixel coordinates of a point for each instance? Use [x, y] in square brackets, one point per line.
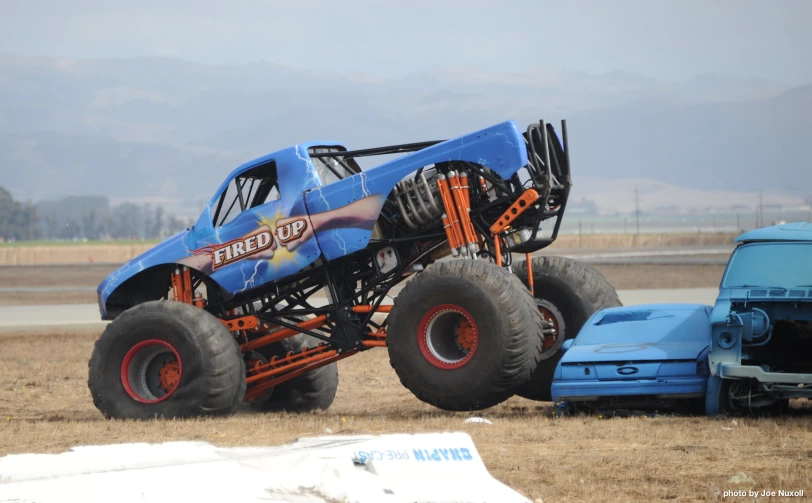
[665, 40]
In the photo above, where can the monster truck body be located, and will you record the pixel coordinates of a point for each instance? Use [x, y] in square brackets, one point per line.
[345, 210]
[303, 244]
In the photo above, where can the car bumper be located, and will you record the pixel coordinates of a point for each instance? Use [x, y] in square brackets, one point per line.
[727, 370]
[594, 390]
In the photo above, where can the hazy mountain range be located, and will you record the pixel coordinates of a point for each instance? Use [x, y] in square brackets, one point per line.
[168, 131]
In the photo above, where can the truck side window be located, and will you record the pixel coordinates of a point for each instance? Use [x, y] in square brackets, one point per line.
[252, 188]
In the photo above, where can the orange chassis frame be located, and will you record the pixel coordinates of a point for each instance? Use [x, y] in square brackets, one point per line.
[460, 232]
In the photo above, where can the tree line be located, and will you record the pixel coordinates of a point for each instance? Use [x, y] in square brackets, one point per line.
[84, 217]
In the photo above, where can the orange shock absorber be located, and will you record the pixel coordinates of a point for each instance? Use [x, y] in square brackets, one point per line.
[176, 285]
[530, 274]
[452, 237]
[452, 223]
[182, 285]
[465, 195]
[468, 239]
[497, 249]
[466, 190]
[187, 286]
[483, 187]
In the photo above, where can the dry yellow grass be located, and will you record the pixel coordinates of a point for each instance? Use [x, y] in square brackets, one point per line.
[45, 407]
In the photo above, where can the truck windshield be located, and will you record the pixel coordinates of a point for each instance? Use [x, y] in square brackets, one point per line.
[332, 169]
[780, 265]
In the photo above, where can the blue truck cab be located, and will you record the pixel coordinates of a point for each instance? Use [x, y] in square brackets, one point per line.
[761, 325]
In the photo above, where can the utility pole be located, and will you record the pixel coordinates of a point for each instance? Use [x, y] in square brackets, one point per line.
[760, 209]
[579, 234]
[637, 207]
[30, 220]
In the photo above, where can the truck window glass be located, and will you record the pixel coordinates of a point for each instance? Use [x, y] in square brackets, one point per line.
[788, 266]
[252, 188]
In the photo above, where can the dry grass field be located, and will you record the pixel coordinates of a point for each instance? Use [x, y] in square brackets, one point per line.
[45, 407]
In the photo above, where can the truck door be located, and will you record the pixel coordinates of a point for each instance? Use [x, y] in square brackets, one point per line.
[256, 234]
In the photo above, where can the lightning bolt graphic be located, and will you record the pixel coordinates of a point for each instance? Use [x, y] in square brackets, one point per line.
[364, 189]
[336, 237]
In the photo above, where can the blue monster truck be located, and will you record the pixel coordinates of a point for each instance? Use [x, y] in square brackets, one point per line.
[287, 269]
[761, 325]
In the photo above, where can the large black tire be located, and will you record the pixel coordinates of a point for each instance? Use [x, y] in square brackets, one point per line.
[567, 293]
[166, 359]
[312, 391]
[463, 335]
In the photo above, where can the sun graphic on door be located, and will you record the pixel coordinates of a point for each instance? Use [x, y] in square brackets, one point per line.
[282, 254]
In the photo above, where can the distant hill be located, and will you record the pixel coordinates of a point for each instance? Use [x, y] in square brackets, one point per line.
[168, 131]
[763, 144]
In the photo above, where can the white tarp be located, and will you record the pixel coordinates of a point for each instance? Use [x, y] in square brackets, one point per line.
[436, 467]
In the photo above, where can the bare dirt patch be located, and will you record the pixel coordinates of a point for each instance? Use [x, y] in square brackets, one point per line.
[645, 276]
[57, 275]
[45, 407]
[46, 298]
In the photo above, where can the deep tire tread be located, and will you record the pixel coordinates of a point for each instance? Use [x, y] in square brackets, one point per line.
[587, 291]
[213, 355]
[521, 340]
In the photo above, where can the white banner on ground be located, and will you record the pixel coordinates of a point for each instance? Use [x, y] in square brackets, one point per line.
[436, 468]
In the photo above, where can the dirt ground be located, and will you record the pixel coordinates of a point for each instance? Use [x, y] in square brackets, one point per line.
[45, 407]
[623, 277]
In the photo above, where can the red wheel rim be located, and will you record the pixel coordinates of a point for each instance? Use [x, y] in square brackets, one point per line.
[551, 318]
[151, 371]
[448, 336]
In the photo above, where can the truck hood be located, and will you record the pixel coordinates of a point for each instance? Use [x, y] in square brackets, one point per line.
[643, 333]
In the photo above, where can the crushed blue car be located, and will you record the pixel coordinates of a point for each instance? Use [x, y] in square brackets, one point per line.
[749, 353]
[637, 356]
